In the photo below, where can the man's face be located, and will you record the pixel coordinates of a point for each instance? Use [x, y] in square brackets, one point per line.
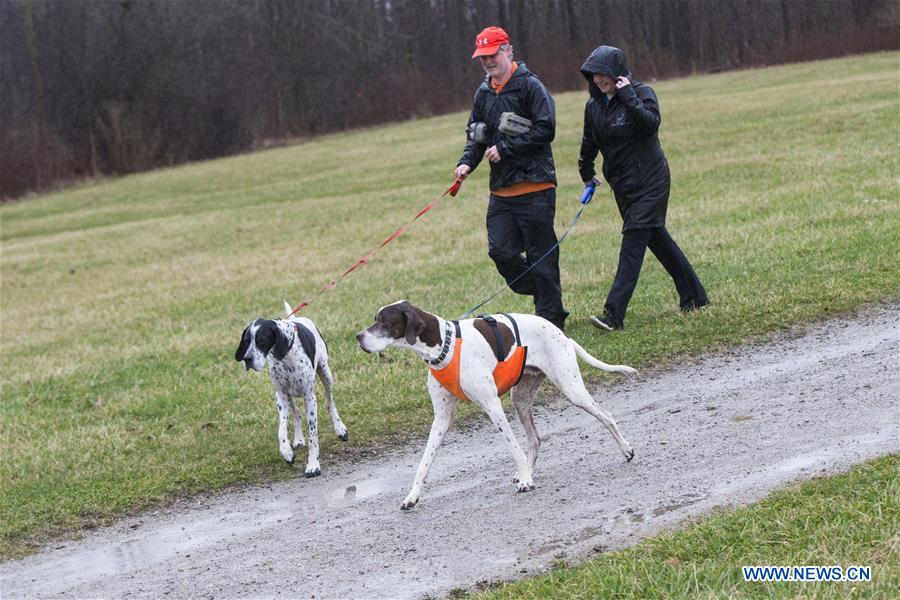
[498, 65]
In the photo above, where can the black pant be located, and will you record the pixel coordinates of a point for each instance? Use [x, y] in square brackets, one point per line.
[631, 256]
[525, 224]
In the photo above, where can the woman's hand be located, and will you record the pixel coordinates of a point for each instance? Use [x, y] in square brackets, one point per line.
[622, 82]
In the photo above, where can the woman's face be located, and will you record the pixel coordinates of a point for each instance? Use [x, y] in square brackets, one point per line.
[606, 83]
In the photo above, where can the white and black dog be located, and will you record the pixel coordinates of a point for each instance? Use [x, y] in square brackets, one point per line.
[549, 354]
[295, 352]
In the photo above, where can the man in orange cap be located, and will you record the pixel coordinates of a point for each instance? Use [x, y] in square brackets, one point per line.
[522, 202]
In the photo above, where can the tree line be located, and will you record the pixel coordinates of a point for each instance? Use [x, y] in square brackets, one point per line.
[95, 87]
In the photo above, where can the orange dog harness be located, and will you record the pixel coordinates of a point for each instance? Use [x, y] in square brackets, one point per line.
[507, 373]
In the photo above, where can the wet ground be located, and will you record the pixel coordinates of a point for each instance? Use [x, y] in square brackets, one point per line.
[725, 430]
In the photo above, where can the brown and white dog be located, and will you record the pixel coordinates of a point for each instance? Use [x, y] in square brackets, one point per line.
[550, 354]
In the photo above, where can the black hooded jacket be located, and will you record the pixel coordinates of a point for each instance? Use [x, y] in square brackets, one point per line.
[525, 157]
[624, 130]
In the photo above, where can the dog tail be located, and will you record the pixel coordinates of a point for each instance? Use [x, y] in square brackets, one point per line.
[599, 363]
[287, 309]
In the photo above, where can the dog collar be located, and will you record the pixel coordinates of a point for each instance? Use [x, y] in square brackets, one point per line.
[446, 347]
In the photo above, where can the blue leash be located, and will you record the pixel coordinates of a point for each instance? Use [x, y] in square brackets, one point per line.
[586, 196]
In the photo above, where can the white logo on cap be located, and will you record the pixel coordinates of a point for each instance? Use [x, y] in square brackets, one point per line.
[483, 41]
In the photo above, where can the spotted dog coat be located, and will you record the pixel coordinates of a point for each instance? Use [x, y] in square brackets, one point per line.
[295, 352]
[550, 354]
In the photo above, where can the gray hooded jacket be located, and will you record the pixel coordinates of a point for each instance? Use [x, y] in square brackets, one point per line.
[624, 130]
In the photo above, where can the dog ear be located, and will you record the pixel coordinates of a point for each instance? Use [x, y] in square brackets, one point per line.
[282, 344]
[242, 347]
[414, 324]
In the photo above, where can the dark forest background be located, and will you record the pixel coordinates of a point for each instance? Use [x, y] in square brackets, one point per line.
[94, 87]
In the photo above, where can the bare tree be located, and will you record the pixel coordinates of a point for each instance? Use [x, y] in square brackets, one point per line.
[91, 87]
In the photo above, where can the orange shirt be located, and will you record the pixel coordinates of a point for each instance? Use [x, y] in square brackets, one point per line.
[499, 86]
[520, 189]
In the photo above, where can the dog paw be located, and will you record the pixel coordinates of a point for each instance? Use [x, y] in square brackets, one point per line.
[517, 478]
[288, 456]
[630, 455]
[343, 435]
[408, 503]
[299, 445]
[312, 468]
[525, 487]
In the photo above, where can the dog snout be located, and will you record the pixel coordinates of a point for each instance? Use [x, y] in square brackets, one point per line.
[359, 340]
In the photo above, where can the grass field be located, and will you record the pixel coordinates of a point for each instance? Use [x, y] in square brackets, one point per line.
[847, 520]
[123, 300]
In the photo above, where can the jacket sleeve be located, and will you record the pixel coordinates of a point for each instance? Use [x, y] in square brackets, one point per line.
[543, 123]
[642, 107]
[472, 153]
[589, 148]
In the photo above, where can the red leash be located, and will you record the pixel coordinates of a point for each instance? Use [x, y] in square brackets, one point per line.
[452, 190]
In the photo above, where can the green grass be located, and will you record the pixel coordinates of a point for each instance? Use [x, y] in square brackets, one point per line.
[123, 300]
[847, 520]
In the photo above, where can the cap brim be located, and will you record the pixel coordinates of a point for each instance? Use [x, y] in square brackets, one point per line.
[487, 51]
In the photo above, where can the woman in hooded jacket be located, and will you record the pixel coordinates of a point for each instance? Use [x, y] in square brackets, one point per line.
[621, 121]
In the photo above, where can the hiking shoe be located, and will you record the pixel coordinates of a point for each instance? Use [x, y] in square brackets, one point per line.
[693, 306]
[605, 323]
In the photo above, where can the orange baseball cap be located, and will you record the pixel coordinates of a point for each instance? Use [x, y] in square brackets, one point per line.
[489, 41]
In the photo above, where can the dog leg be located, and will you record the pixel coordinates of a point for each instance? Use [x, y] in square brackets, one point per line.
[283, 404]
[328, 382]
[443, 403]
[572, 387]
[298, 427]
[522, 396]
[490, 403]
[312, 426]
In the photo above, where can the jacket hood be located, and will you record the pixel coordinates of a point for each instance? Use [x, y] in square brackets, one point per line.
[606, 60]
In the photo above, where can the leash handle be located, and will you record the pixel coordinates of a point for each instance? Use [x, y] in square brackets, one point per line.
[454, 189]
[588, 193]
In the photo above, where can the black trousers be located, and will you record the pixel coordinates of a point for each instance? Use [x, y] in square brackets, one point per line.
[524, 224]
[631, 257]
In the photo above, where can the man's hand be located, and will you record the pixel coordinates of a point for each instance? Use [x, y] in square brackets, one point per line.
[462, 171]
[622, 82]
[492, 154]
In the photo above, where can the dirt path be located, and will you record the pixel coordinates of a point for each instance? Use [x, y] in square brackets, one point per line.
[726, 430]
